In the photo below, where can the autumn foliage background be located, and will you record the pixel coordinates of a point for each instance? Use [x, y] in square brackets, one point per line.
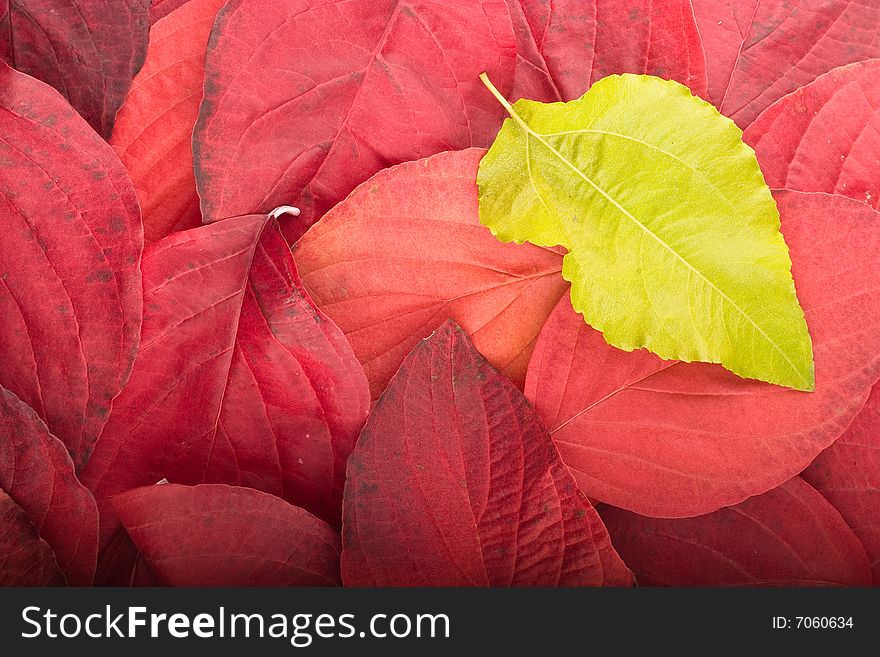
[157, 325]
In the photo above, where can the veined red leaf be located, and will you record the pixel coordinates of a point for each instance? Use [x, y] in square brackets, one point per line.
[454, 481]
[406, 250]
[701, 438]
[565, 46]
[789, 536]
[239, 379]
[121, 564]
[305, 100]
[70, 286]
[218, 535]
[757, 51]
[153, 133]
[42, 503]
[25, 558]
[847, 474]
[89, 50]
[159, 9]
[825, 137]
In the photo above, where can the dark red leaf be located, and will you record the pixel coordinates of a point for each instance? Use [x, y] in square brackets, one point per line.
[565, 46]
[217, 535]
[89, 50]
[70, 286]
[758, 51]
[454, 482]
[25, 558]
[406, 250]
[674, 439]
[789, 536]
[825, 136]
[847, 474]
[153, 133]
[159, 9]
[120, 564]
[51, 507]
[305, 100]
[239, 378]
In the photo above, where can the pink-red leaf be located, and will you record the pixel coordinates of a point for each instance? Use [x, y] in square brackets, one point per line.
[406, 250]
[159, 9]
[239, 379]
[37, 477]
[305, 100]
[758, 51]
[89, 50]
[824, 137]
[70, 286]
[217, 535]
[25, 558]
[789, 536]
[675, 439]
[565, 46]
[847, 474]
[454, 482]
[153, 133]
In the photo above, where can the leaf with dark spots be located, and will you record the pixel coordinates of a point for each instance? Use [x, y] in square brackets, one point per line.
[758, 51]
[406, 250]
[455, 482]
[789, 536]
[153, 133]
[89, 50]
[825, 137]
[45, 511]
[847, 474]
[366, 84]
[565, 46]
[217, 535]
[673, 439]
[70, 285]
[239, 379]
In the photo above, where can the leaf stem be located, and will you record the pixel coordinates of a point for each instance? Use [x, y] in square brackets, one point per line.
[501, 99]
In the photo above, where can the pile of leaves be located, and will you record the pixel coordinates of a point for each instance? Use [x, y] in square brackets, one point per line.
[271, 314]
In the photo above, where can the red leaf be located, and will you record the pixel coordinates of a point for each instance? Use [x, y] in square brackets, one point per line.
[120, 564]
[217, 535]
[153, 133]
[87, 49]
[70, 287]
[42, 499]
[673, 439]
[406, 250]
[159, 9]
[366, 84]
[756, 52]
[454, 481]
[25, 558]
[238, 380]
[825, 137]
[847, 474]
[565, 46]
[789, 536]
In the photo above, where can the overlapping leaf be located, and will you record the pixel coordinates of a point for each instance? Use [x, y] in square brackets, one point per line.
[789, 536]
[159, 9]
[406, 251]
[455, 482]
[153, 133]
[673, 236]
[825, 137]
[702, 438]
[758, 51]
[305, 100]
[89, 50]
[49, 520]
[70, 287]
[218, 535]
[239, 379]
[565, 46]
[847, 474]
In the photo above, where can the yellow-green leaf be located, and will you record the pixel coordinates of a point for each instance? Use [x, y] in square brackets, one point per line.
[672, 235]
